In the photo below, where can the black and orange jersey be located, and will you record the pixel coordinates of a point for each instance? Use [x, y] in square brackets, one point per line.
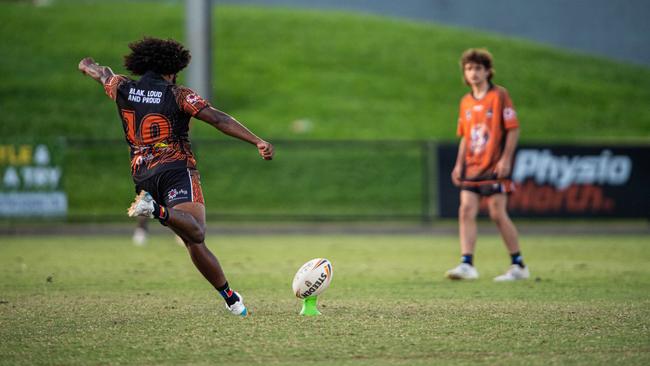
[155, 116]
[483, 123]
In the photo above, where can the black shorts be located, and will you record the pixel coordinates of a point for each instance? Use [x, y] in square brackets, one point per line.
[488, 189]
[172, 187]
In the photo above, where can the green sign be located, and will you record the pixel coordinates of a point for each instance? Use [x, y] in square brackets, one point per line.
[31, 176]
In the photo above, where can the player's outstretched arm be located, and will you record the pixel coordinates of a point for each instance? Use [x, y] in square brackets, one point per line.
[89, 67]
[231, 127]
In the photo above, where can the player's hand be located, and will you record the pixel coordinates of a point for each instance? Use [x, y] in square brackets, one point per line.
[85, 64]
[265, 149]
[502, 169]
[455, 175]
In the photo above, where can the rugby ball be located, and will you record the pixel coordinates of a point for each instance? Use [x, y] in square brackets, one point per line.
[312, 278]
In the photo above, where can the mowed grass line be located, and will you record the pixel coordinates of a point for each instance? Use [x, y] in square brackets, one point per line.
[100, 300]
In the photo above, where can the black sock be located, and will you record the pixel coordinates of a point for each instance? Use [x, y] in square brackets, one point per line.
[467, 258]
[517, 259]
[229, 295]
[160, 212]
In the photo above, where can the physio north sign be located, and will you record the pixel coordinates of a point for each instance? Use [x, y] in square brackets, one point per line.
[564, 181]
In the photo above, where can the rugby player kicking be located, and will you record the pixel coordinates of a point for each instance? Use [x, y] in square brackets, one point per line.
[488, 129]
[155, 114]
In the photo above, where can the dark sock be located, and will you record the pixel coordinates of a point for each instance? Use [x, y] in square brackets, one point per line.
[467, 258]
[229, 295]
[160, 212]
[517, 259]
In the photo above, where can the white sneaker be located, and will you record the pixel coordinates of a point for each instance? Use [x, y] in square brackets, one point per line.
[238, 308]
[463, 271]
[514, 273]
[142, 206]
[139, 236]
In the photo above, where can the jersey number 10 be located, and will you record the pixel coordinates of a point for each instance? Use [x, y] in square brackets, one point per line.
[154, 128]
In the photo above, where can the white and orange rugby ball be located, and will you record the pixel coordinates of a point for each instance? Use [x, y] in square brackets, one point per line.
[312, 278]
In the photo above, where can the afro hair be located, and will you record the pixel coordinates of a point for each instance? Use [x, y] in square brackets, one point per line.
[165, 57]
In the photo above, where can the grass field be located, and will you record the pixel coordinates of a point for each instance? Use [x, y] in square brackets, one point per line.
[100, 300]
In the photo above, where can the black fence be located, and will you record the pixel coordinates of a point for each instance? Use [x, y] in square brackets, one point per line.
[345, 180]
[307, 180]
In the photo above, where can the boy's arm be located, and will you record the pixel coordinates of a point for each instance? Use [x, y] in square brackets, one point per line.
[89, 67]
[460, 161]
[504, 165]
[231, 127]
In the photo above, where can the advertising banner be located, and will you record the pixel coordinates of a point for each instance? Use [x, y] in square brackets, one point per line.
[31, 184]
[565, 181]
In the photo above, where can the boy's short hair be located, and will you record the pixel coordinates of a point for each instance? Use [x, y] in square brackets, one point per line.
[479, 56]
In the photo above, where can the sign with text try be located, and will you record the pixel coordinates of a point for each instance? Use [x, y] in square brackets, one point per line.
[31, 180]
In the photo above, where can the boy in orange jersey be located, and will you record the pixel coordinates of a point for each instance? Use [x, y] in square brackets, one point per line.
[488, 129]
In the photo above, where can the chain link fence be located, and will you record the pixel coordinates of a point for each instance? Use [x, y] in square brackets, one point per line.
[307, 180]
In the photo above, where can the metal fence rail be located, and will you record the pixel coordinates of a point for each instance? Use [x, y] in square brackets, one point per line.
[307, 180]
